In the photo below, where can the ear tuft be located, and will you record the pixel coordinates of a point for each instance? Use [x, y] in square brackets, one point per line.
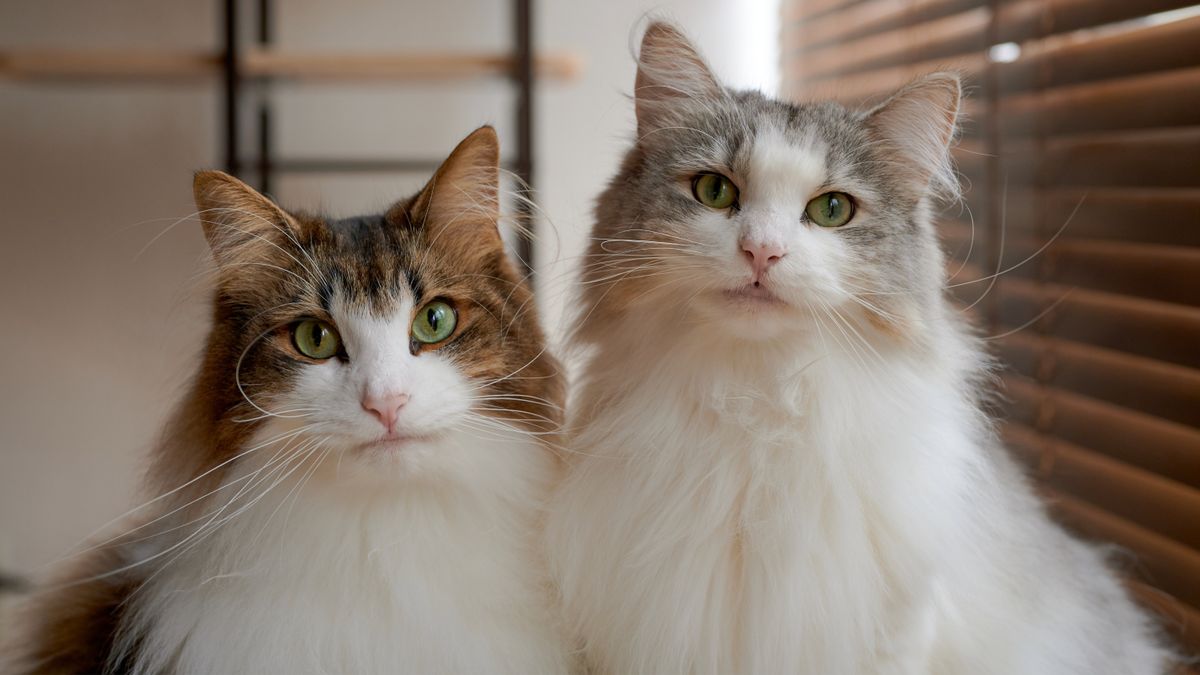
[670, 72]
[462, 200]
[235, 217]
[915, 128]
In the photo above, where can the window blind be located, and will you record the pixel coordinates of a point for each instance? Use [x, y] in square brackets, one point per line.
[1077, 246]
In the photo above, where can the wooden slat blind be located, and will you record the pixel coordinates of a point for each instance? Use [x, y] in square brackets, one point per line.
[1081, 162]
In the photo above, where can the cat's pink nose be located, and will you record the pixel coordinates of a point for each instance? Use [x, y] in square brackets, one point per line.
[762, 255]
[385, 407]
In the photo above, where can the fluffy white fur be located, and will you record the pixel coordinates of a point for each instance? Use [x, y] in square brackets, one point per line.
[759, 490]
[347, 561]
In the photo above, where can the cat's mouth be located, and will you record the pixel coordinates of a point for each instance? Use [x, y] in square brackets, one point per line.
[753, 295]
[393, 442]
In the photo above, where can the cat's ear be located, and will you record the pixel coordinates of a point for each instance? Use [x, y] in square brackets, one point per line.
[915, 127]
[460, 205]
[670, 73]
[239, 223]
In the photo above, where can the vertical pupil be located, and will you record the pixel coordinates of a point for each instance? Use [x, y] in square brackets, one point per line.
[318, 334]
[431, 317]
[834, 207]
[715, 192]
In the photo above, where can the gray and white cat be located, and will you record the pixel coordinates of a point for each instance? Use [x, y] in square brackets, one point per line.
[780, 463]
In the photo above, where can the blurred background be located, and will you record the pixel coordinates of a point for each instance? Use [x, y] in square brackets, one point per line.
[1076, 249]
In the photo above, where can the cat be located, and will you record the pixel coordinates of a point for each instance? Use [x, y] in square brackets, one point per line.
[354, 481]
[779, 461]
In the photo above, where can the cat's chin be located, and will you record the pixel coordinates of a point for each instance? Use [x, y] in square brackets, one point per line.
[753, 313]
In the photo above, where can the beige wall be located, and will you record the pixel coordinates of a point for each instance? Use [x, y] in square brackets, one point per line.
[101, 334]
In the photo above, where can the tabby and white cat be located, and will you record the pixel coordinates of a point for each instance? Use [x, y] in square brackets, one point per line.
[780, 461]
[354, 482]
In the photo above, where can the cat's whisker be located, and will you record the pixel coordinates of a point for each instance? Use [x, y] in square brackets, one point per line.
[290, 414]
[305, 283]
[970, 244]
[237, 370]
[278, 457]
[287, 436]
[189, 543]
[517, 397]
[312, 267]
[1000, 253]
[521, 415]
[857, 358]
[294, 492]
[1046, 310]
[896, 396]
[650, 133]
[510, 375]
[264, 240]
[1049, 242]
[676, 276]
[512, 406]
[315, 465]
[162, 233]
[131, 566]
[662, 233]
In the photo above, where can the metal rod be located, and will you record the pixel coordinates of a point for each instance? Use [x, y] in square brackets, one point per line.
[266, 22]
[524, 76]
[266, 162]
[265, 142]
[231, 74]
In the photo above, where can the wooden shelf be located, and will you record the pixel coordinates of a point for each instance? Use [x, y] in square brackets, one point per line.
[401, 66]
[107, 64]
[33, 65]
[353, 165]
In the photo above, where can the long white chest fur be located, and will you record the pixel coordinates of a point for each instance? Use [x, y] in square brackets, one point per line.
[807, 519]
[416, 577]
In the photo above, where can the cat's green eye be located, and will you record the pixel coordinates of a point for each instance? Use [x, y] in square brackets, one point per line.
[316, 339]
[434, 322]
[714, 190]
[832, 209]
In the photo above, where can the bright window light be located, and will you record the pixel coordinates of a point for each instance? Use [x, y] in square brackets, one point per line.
[1005, 52]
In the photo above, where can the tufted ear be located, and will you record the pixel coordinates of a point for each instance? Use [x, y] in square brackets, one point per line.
[915, 128]
[670, 73]
[461, 203]
[239, 223]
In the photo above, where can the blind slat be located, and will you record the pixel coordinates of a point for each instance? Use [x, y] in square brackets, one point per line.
[1160, 562]
[948, 36]
[1165, 216]
[1022, 20]
[1165, 99]
[1181, 621]
[1152, 387]
[1159, 330]
[1161, 158]
[1153, 271]
[815, 8]
[1164, 506]
[1157, 445]
[1067, 60]
[864, 18]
